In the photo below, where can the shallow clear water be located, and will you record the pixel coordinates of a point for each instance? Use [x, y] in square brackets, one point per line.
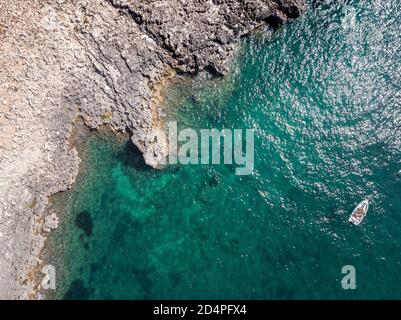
[325, 103]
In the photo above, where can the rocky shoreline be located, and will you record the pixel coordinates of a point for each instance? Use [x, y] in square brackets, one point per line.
[105, 61]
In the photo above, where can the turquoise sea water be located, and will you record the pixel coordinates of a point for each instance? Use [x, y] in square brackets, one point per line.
[325, 104]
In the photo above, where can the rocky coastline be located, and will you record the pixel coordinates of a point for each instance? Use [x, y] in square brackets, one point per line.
[107, 62]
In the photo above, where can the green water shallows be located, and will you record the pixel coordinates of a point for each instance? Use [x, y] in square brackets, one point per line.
[325, 103]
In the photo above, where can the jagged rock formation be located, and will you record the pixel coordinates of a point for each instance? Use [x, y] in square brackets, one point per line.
[105, 61]
[202, 34]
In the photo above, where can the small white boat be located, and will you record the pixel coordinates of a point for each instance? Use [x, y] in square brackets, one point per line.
[359, 212]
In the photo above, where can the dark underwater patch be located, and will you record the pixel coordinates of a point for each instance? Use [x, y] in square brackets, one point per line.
[144, 279]
[84, 222]
[132, 157]
[77, 291]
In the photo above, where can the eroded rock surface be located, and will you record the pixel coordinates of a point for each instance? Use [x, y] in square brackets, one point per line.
[202, 34]
[104, 61]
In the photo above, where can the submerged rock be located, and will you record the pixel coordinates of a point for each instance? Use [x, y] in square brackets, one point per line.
[84, 221]
[77, 291]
